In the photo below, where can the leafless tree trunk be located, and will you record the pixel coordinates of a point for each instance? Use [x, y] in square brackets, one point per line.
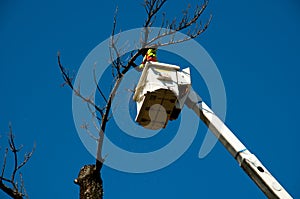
[89, 178]
[10, 185]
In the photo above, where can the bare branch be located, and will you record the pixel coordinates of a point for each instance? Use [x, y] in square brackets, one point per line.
[97, 84]
[185, 22]
[65, 74]
[152, 7]
[9, 191]
[171, 33]
[14, 151]
[131, 61]
[99, 161]
[192, 25]
[115, 63]
[10, 185]
[4, 162]
[23, 190]
[86, 128]
[27, 156]
[68, 81]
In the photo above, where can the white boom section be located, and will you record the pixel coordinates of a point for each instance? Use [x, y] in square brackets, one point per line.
[248, 161]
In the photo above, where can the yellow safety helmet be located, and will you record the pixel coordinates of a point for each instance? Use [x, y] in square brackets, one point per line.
[152, 51]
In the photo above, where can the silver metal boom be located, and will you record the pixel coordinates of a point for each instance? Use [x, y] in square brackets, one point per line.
[248, 161]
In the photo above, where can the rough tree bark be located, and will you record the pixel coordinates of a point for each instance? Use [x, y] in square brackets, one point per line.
[89, 177]
[90, 182]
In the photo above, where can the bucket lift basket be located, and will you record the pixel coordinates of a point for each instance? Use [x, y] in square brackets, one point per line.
[160, 94]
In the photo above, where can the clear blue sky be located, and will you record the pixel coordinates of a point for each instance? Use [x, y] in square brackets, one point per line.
[255, 45]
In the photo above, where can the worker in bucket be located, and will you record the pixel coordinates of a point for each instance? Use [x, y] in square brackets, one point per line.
[149, 56]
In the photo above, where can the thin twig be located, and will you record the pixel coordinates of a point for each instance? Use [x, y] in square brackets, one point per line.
[27, 156]
[66, 76]
[115, 63]
[4, 162]
[86, 128]
[23, 190]
[15, 154]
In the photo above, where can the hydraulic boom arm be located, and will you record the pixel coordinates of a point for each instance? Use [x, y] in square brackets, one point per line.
[248, 161]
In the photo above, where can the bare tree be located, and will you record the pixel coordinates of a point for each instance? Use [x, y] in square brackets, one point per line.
[10, 185]
[89, 177]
